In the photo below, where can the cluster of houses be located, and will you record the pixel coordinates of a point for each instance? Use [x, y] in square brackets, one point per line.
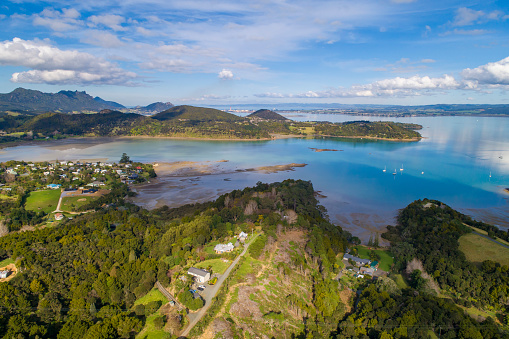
[224, 248]
[69, 171]
[201, 275]
[362, 267]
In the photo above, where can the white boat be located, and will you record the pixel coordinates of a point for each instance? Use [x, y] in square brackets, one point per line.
[395, 172]
[385, 169]
[490, 174]
[401, 169]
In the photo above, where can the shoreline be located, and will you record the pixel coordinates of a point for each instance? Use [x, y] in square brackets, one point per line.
[104, 139]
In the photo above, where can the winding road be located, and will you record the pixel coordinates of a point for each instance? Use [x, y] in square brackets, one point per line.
[196, 317]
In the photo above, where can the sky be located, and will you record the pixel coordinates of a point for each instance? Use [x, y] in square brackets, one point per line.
[227, 52]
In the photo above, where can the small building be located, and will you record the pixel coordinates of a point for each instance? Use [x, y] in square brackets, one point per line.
[374, 265]
[367, 270]
[53, 186]
[358, 261]
[200, 275]
[59, 216]
[242, 236]
[221, 248]
[4, 274]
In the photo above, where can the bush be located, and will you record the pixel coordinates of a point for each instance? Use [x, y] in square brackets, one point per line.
[152, 307]
[139, 310]
[159, 322]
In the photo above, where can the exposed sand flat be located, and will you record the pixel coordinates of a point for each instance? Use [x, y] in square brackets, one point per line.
[186, 168]
[274, 168]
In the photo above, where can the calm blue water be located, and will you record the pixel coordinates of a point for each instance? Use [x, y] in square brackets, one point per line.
[452, 163]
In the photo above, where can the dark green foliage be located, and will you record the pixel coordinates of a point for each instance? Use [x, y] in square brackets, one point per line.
[159, 322]
[189, 301]
[256, 248]
[410, 315]
[377, 129]
[429, 231]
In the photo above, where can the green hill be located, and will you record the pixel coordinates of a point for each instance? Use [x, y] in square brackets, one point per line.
[108, 123]
[195, 113]
[267, 115]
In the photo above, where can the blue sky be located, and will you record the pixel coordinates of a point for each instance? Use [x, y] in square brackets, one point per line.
[407, 52]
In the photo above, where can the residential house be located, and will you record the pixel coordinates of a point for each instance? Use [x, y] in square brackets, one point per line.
[221, 248]
[367, 270]
[242, 236]
[59, 216]
[53, 186]
[200, 275]
[358, 261]
[4, 274]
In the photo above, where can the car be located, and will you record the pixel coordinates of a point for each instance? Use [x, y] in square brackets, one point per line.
[202, 286]
[172, 302]
[199, 288]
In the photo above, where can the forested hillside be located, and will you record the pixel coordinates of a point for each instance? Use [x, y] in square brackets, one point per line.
[188, 122]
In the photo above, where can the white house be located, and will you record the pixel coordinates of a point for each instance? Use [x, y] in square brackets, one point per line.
[200, 275]
[242, 236]
[4, 274]
[221, 248]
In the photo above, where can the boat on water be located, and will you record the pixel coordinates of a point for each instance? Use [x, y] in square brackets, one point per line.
[401, 169]
[385, 169]
[395, 172]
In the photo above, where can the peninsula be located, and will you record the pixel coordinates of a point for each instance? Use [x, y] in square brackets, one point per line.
[190, 122]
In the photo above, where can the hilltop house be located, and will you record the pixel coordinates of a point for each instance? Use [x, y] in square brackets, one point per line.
[4, 274]
[59, 216]
[53, 186]
[221, 248]
[358, 261]
[200, 275]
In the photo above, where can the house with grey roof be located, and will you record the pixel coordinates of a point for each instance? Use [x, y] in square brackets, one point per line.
[222, 248]
[358, 261]
[200, 275]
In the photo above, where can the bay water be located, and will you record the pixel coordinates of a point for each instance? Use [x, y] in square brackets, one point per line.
[461, 161]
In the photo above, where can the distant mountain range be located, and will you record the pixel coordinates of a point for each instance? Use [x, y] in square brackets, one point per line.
[27, 100]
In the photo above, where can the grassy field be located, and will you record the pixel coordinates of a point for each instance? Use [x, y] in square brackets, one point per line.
[218, 265]
[46, 201]
[385, 261]
[400, 281]
[6, 262]
[6, 197]
[154, 294]
[478, 249]
[209, 248]
[480, 231]
[78, 201]
[150, 331]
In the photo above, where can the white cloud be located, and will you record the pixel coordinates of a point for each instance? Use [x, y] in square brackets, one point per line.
[52, 65]
[207, 97]
[101, 39]
[466, 16]
[59, 21]
[466, 32]
[225, 74]
[493, 73]
[109, 20]
[428, 61]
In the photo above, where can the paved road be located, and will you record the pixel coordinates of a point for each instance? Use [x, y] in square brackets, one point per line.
[487, 237]
[196, 317]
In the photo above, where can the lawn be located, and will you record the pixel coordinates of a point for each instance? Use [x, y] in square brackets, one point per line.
[150, 331]
[477, 249]
[46, 201]
[385, 261]
[6, 262]
[78, 201]
[209, 248]
[400, 281]
[480, 231]
[154, 294]
[218, 265]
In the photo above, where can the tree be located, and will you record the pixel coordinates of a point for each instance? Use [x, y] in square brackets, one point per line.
[124, 159]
